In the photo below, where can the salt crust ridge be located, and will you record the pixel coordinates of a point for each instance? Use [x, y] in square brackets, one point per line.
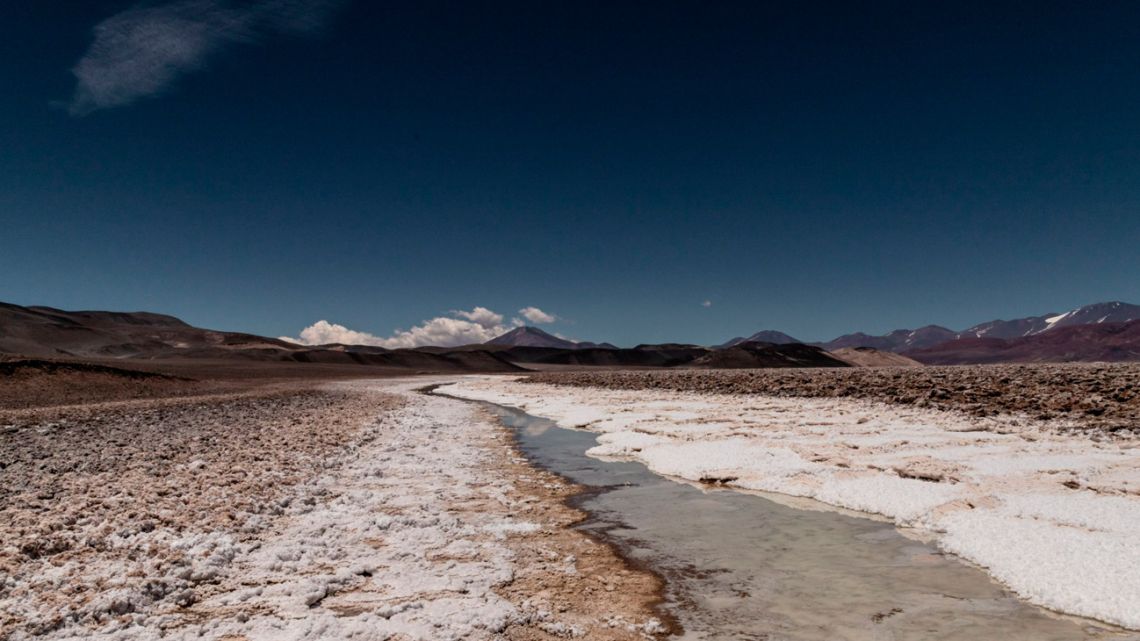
[1055, 517]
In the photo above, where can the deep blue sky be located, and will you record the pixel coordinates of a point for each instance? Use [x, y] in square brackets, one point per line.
[815, 168]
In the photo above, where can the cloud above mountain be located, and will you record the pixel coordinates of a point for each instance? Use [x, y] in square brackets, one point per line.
[323, 332]
[142, 51]
[536, 315]
[481, 316]
[461, 327]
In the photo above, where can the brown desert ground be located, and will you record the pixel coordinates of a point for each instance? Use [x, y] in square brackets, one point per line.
[27, 382]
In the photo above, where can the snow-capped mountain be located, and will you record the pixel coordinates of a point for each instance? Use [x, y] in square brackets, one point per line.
[1086, 342]
[1111, 312]
[900, 340]
[905, 340]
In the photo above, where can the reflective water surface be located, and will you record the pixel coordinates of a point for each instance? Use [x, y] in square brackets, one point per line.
[741, 566]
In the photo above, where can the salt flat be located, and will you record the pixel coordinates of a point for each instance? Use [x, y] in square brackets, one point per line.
[1052, 515]
[362, 510]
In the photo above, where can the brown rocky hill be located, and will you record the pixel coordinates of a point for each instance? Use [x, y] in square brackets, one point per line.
[871, 357]
[102, 336]
[45, 331]
[763, 355]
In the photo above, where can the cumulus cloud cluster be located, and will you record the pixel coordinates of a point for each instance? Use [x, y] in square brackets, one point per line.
[536, 315]
[461, 327]
[143, 50]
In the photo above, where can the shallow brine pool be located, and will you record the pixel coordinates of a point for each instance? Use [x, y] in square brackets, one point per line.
[742, 566]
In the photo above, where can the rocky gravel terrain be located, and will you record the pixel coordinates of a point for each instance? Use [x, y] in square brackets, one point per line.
[304, 510]
[1099, 398]
[102, 513]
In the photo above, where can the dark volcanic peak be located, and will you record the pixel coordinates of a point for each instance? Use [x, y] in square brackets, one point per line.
[763, 336]
[528, 336]
[1098, 313]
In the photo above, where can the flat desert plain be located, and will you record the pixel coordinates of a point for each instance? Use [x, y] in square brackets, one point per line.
[290, 508]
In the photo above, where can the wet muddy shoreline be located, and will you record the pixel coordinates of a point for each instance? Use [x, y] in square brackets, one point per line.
[587, 522]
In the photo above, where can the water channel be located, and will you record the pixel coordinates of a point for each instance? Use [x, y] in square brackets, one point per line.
[745, 567]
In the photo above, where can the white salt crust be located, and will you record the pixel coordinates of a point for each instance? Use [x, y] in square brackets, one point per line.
[1054, 517]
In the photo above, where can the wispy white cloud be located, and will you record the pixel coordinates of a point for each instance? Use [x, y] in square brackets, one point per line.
[706, 303]
[536, 315]
[143, 50]
[462, 327]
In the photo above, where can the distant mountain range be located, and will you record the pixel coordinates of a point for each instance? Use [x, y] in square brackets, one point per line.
[1048, 337]
[1113, 312]
[133, 337]
[900, 340]
[1100, 332]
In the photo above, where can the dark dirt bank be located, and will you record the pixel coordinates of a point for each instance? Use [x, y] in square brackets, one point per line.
[29, 383]
[1099, 397]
